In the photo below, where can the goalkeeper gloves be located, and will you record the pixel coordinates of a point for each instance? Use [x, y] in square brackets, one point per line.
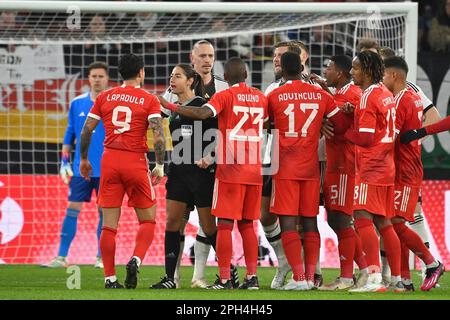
[412, 135]
[65, 171]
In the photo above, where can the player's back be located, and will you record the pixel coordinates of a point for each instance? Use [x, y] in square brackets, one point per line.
[297, 109]
[125, 111]
[241, 111]
[341, 152]
[375, 114]
[408, 161]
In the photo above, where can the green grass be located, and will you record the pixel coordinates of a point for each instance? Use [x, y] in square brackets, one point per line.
[33, 282]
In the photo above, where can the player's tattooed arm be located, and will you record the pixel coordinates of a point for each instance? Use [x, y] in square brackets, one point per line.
[159, 142]
[86, 135]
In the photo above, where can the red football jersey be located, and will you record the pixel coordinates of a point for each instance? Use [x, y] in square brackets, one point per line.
[376, 114]
[241, 111]
[408, 157]
[297, 110]
[341, 152]
[125, 112]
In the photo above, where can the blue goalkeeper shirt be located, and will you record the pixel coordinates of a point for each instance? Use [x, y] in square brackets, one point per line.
[79, 109]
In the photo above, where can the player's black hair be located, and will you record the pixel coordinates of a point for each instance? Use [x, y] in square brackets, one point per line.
[343, 63]
[235, 70]
[98, 65]
[291, 65]
[130, 65]
[197, 84]
[396, 62]
[386, 52]
[371, 64]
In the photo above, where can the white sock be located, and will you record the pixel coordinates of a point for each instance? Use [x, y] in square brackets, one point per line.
[433, 265]
[201, 257]
[111, 278]
[138, 260]
[347, 280]
[395, 279]
[272, 231]
[318, 269]
[277, 246]
[406, 281]
[386, 270]
[180, 255]
[364, 271]
[249, 276]
[418, 225]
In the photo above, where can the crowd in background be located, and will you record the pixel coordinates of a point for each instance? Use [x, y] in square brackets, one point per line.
[256, 50]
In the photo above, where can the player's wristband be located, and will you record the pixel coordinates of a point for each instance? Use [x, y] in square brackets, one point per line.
[65, 156]
[172, 107]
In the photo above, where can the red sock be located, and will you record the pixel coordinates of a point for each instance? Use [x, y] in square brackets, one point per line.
[224, 249]
[311, 244]
[413, 242]
[392, 249]
[250, 244]
[108, 250]
[370, 243]
[144, 238]
[292, 246]
[360, 256]
[346, 248]
[406, 273]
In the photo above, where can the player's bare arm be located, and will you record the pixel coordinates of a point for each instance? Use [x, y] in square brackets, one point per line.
[159, 145]
[321, 81]
[190, 112]
[85, 141]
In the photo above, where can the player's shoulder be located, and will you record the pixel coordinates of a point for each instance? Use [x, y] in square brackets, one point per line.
[81, 97]
[414, 87]
[219, 80]
[272, 86]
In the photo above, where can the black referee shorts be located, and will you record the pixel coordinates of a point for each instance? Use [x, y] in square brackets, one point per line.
[267, 186]
[190, 184]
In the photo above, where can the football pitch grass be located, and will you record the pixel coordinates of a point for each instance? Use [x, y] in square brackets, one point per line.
[26, 282]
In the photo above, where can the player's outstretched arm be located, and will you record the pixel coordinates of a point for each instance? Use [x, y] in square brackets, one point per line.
[85, 141]
[437, 127]
[197, 113]
[159, 145]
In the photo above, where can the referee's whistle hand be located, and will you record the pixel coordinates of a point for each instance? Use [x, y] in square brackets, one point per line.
[85, 169]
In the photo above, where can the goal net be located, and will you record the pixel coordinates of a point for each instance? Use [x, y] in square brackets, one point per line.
[46, 47]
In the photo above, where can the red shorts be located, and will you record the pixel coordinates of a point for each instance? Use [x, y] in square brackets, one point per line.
[406, 198]
[378, 200]
[125, 171]
[236, 201]
[295, 197]
[338, 191]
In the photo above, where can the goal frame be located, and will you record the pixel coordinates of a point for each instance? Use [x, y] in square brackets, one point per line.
[408, 8]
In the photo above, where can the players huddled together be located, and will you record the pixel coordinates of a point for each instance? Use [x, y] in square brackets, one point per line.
[263, 162]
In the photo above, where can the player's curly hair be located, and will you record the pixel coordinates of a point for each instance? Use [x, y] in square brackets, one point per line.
[197, 85]
[372, 64]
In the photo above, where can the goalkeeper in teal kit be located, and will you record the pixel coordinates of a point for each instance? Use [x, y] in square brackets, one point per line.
[80, 190]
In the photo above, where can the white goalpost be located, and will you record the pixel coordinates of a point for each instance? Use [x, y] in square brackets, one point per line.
[46, 47]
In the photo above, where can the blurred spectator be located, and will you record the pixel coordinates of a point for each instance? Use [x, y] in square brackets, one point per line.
[439, 35]
[8, 20]
[323, 45]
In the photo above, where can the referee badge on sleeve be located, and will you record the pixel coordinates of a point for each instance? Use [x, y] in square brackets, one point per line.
[186, 130]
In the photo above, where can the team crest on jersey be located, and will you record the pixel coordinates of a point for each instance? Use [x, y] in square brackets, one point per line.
[388, 101]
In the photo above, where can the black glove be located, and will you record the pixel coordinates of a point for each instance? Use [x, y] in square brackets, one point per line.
[412, 135]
